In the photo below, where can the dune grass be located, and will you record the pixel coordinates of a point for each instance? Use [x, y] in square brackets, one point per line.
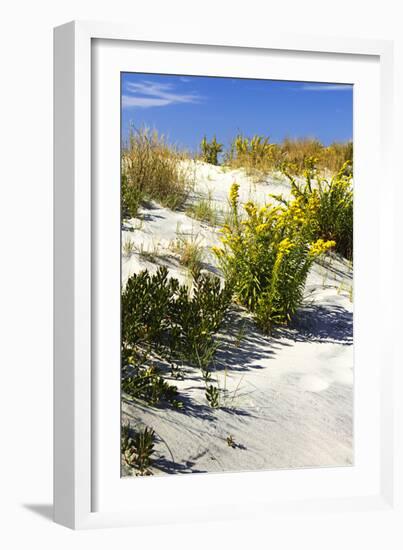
[128, 248]
[259, 157]
[190, 252]
[256, 155]
[153, 170]
[150, 253]
[204, 210]
[297, 153]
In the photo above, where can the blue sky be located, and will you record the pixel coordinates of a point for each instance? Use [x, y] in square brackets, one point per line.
[185, 108]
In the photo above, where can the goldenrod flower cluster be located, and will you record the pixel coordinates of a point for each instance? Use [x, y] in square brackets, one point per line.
[285, 246]
[234, 195]
[268, 250]
[261, 227]
[250, 208]
[320, 246]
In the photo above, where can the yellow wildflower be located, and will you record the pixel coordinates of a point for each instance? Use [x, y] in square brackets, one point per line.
[285, 246]
[261, 227]
[250, 208]
[320, 246]
[234, 194]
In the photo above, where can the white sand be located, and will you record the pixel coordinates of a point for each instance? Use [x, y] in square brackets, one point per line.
[289, 398]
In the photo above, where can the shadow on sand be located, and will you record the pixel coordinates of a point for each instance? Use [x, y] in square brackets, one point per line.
[316, 323]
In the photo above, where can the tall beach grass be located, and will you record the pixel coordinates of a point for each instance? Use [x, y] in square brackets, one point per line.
[152, 169]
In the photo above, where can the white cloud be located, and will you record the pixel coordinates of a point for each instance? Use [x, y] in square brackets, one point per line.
[153, 94]
[134, 101]
[326, 87]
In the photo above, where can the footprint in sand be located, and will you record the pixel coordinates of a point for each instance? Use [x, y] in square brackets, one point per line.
[310, 382]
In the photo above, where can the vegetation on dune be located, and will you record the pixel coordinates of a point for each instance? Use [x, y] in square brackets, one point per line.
[210, 150]
[265, 257]
[258, 156]
[137, 449]
[204, 210]
[131, 197]
[328, 203]
[196, 318]
[295, 153]
[146, 384]
[190, 252]
[152, 170]
[267, 254]
[128, 248]
[146, 301]
[162, 319]
[213, 396]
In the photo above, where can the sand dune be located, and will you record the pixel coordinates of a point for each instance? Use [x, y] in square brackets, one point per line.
[288, 399]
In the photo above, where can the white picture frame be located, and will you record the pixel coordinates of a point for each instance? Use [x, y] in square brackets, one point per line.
[78, 420]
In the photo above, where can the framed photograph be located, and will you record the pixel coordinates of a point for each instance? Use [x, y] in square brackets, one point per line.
[219, 264]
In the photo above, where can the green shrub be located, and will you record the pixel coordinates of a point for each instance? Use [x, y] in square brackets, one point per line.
[197, 318]
[161, 316]
[145, 303]
[210, 150]
[137, 449]
[131, 198]
[335, 212]
[213, 396]
[146, 384]
[328, 204]
[266, 257]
